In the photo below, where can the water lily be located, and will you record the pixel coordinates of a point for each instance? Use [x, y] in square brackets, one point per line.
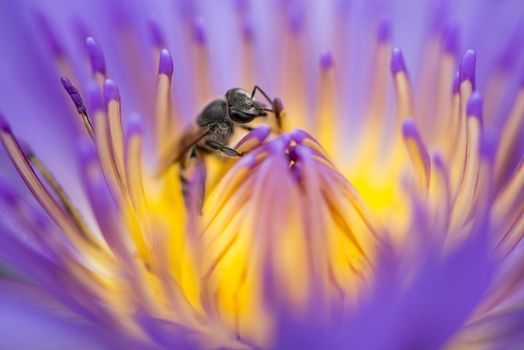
[386, 213]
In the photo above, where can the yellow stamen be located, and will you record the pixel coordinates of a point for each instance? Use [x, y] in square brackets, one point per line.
[327, 115]
[464, 203]
[510, 134]
[134, 171]
[163, 110]
[117, 140]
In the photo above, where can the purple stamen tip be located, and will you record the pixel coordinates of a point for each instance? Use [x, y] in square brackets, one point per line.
[468, 67]
[450, 39]
[438, 160]
[94, 98]
[86, 150]
[440, 11]
[488, 144]
[111, 91]
[293, 155]
[135, 124]
[326, 61]
[28, 151]
[384, 30]
[156, 33]
[8, 195]
[260, 133]
[49, 34]
[278, 145]
[248, 161]
[4, 125]
[96, 56]
[74, 94]
[296, 20]
[166, 63]
[397, 61]
[187, 8]
[248, 31]
[199, 32]
[409, 129]
[80, 29]
[299, 135]
[474, 106]
[456, 86]
[510, 54]
[242, 6]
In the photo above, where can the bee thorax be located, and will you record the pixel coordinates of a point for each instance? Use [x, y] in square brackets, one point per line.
[221, 131]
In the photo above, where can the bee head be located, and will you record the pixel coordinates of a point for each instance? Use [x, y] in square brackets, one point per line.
[242, 107]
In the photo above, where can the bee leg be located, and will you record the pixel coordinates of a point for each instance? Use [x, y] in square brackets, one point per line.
[247, 128]
[277, 109]
[275, 104]
[254, 91]
[193, 180]
[228, 151]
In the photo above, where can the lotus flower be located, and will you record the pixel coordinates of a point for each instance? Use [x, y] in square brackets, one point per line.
[386, 213]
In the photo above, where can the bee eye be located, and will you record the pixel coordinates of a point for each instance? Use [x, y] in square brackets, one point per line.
[241, 117]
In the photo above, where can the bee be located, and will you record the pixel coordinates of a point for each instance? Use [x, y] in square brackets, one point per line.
[213, 129]
[216, 123]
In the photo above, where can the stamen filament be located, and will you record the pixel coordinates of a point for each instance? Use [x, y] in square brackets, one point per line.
[116, 133]
[402, 85]
[163, 100]
[464, 203]
[418, 153]
[62, 196]
[326, 115]
[62, 219]
[510, 133]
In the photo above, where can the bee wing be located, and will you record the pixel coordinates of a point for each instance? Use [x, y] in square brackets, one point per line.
[177, 149]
